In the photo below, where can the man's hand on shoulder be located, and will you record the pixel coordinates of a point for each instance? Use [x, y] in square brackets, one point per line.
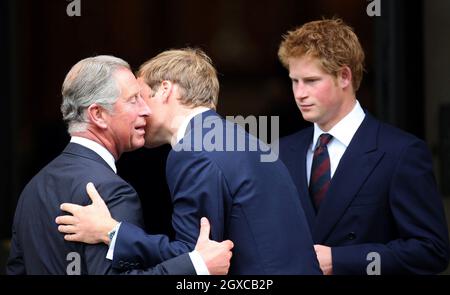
[88, 224]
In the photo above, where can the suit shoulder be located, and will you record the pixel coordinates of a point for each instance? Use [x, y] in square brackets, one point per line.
[394, 136]
[77, 171]
[181, 158]
[296, 137]
[90, 168]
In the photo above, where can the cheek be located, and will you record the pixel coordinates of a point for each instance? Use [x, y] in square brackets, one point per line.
[151, 126]
[149, 103]
[151, 121]
[324, 93]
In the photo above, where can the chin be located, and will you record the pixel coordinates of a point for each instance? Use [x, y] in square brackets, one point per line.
[137, 145]
[307, 117]
[150, 145]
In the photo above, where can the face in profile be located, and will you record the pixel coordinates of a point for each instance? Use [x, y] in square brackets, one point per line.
[127, 120]
[154, 130]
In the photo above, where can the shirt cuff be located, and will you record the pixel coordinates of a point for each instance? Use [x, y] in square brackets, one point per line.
[112, 244]
[199, 264]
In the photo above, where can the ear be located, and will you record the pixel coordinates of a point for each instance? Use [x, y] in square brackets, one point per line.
[96, 115]
[166, 89]
[345, 77]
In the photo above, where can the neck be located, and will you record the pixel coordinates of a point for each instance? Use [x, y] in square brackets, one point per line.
[346, 107]
[178, 120]
[100, 139]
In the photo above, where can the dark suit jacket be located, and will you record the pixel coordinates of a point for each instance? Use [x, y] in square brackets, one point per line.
[38, 248]
[383, 198]
[252, 203]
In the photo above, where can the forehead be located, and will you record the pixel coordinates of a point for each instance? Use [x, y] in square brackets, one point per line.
[305, 65]
[126, 81]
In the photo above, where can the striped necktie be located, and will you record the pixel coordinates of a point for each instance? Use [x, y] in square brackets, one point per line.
[320, 171]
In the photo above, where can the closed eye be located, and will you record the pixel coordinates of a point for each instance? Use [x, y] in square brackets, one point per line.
[134, 99]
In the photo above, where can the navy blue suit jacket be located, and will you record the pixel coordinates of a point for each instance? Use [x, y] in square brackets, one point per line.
[38, 248]
[250, 202]
[382, 198]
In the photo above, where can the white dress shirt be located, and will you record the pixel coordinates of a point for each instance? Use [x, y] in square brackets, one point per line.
[98, 149]
[342, 133]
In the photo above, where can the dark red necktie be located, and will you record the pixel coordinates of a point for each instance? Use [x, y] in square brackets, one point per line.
[320, 171]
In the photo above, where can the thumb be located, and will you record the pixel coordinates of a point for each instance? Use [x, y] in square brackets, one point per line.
[205, 229]
[93, 194]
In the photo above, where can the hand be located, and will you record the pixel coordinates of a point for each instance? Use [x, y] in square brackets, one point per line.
[215, 255]
[325, 260]
[89, 224]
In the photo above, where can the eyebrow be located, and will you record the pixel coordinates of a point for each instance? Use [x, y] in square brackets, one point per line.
[133, 94]
[306, 77]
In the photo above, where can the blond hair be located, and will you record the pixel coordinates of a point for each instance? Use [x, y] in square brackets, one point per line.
[331, 41]
[191, 69]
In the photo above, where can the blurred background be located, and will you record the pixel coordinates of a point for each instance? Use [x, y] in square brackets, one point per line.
[407, 79]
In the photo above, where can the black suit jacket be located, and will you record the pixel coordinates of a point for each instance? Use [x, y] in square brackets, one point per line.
[38, 248]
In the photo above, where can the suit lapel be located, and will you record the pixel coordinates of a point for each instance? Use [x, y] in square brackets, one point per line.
[299, 173]
[355, 166]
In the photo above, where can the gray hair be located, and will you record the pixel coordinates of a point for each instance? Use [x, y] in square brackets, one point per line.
[89, 81]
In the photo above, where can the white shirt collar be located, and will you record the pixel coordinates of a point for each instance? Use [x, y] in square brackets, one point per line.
[345, 129]
[97, 148]
[182, 129]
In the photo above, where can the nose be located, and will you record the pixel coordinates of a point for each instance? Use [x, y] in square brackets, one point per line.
[144, 108]
[300, 91]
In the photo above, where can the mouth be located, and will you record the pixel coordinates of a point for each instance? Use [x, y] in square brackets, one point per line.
[306, 106]
[140, 130]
